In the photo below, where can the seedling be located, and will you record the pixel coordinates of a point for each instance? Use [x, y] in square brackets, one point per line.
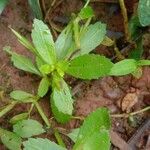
[83, 137]
[68, 55]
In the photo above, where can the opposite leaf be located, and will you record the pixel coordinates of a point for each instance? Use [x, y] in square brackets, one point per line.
[19, 117]
[20, 95]
[22, 62]
[62, 103]
[43, 42]
[92, 37]
[43, 87]
[24, 41]
[93, 124]
[41, 144]
[10, 140]
[89, 66]
[123, 67]
[28, 128]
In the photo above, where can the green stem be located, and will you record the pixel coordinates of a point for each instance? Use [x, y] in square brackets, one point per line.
[125, 19]
[76, 32]
[87, 2]
[8, 108]
[30, 110]
[118, 53]
[41, 112]
[126, 115]
[59, 138]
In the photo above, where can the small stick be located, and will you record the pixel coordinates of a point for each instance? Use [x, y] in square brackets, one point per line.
[126, 115]
[105, 1]
[43, 6]
[125, 19]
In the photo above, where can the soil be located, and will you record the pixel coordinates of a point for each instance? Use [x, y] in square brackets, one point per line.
[115, 93]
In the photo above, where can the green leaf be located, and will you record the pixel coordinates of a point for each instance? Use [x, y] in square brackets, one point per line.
[74, 134]
[123, 67]
[43, 42]
[24, 41]
[41, 144]
[97, 141]
[36, 8]
[46, 69]
[61, 67]
[134, 27]
[22, 62]
[39, 62]
[138, 51]
[143, 62]
[21, 95]
[86, 13]
[3, 4]
[89, 66]
[18, 117]
[62, 103]
[93, 129]
[28, 128]
[43, 87]
[64, 43]
[10, 140]
[92, 37]
[144, 12]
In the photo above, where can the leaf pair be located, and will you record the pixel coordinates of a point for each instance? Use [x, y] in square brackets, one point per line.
[22, 129]
[53, 59]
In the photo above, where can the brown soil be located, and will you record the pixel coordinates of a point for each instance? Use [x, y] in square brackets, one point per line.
[106, 92]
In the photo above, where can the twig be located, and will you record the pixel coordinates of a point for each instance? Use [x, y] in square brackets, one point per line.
[43, 6]
[87, 2]
[118, 53]
[125, 19]
[50, 9]
[105, 1]
[126, 115]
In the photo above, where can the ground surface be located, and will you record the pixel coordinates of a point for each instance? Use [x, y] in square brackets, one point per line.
[119, 94]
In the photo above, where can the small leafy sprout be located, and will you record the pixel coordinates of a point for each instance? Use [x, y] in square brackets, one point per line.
[83, 137]
[69, 54]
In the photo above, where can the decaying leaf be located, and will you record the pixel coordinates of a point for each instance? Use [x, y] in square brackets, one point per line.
[129, 101]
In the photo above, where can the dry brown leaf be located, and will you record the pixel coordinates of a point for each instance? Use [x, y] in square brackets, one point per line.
[129, 101]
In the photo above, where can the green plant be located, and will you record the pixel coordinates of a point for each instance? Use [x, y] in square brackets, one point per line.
[83, 138]
[138, 21]
[68, 54]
